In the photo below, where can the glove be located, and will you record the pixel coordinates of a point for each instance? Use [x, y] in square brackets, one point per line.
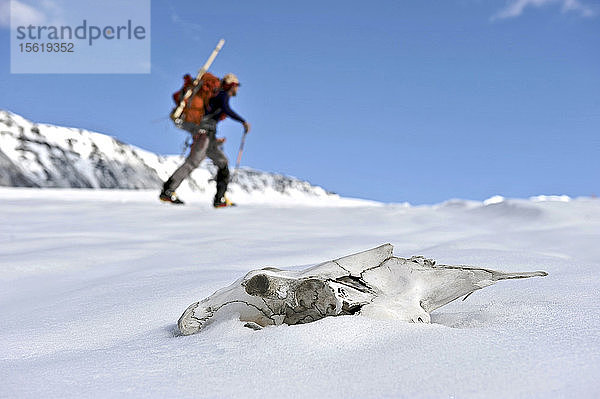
[246, 127]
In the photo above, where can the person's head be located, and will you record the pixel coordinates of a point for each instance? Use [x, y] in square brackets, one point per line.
[230, 84]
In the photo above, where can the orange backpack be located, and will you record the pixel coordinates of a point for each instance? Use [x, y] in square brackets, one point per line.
[208, 87]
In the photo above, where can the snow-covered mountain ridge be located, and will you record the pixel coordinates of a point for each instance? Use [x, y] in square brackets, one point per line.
[42, 155]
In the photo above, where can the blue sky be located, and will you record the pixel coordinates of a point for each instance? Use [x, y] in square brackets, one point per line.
[387, 100]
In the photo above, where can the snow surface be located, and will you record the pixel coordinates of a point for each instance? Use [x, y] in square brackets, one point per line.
[92, 285]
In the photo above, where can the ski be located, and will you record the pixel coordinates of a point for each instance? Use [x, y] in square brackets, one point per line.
[176, 114]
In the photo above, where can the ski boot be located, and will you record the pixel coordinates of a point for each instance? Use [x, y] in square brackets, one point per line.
[222, 203]
[170, 196]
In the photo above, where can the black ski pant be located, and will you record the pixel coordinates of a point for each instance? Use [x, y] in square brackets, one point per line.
[204, 145]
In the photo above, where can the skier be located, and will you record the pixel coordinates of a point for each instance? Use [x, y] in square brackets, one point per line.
[205, 142]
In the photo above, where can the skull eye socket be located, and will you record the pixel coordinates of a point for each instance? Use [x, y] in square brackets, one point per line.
[257, 285]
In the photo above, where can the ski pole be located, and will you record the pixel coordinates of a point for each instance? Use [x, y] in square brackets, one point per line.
[239, 157]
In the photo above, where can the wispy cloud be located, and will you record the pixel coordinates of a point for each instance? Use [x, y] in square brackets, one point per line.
[22, 14]
[26, 12]
[191, 29]
[515, 8]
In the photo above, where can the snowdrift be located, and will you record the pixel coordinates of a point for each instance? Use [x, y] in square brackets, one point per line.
[91, 288]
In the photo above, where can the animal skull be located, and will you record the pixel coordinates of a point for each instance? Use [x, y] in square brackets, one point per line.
[373, 283]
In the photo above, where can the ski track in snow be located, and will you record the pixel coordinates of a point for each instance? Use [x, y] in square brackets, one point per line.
[91, 289]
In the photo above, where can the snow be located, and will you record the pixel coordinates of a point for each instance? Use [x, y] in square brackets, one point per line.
[92, 283]
[496, 199]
